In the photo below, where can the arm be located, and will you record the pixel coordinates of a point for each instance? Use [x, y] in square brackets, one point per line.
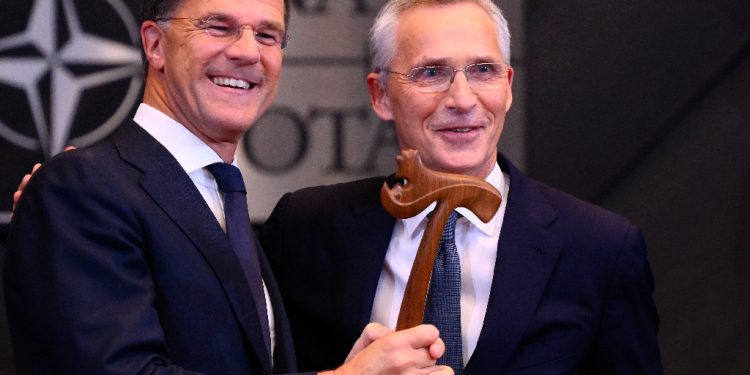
[626, 342]
[80, 297]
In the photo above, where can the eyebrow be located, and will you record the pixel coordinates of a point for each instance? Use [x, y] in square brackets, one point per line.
[432, 62]
[446, 62]
[268, 24]
[272, 25]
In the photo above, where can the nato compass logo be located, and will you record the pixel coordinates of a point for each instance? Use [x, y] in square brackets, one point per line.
[70, 71]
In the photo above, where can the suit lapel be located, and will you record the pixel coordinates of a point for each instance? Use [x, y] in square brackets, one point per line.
[526, 256]
[171, 188]
[365, 233]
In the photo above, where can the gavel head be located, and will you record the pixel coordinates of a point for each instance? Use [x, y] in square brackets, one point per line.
[424, 186]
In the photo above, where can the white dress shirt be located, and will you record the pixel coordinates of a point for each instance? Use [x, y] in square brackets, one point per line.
[476, 243]
[193, 155]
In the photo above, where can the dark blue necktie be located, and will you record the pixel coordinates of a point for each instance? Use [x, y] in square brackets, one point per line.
[443, 305]
[241, 237]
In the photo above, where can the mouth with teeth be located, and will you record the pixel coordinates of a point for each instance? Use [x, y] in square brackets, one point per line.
[233, 83]
[459, 130]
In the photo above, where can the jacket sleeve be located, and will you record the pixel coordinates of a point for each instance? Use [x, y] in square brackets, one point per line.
[626, 341]
[79, 291]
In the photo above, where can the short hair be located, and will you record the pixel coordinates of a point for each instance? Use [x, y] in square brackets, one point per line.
[154, 9]
[383, 32]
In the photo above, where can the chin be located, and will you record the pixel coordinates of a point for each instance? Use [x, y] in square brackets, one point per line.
[463, 164]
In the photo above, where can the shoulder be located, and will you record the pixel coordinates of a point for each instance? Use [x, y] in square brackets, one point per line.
[125, 155]
[77, 168]
[351, 190]
[585, 225]
[580, 224]
[93, 180]
[576, 212]
[315, 208]
[329, 198]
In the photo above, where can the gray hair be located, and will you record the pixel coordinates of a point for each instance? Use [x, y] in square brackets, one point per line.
[383, 34]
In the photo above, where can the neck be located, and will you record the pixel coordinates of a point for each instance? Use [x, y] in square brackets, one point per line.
[156, 98]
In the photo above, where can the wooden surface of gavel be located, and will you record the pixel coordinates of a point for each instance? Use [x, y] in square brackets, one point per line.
[424, 186]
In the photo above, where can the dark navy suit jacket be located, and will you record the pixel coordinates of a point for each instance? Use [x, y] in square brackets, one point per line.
[116, 265]
[571, 292]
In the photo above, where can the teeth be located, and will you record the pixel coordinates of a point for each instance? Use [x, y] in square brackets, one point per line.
[461, 130]
[231, 82]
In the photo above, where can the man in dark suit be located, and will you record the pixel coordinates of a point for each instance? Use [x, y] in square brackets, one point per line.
[120, 258]
[551, 285]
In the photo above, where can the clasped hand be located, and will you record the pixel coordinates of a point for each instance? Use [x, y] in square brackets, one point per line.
[381, 351]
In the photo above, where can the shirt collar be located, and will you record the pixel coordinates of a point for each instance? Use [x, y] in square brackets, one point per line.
[418, 223]
[191, 152]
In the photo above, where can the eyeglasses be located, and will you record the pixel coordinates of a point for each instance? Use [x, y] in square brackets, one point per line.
[220, 28]
[439, 78]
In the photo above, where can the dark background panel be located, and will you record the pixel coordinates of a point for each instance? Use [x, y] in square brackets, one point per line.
[99, 18]
[606, 78]
[644, 107]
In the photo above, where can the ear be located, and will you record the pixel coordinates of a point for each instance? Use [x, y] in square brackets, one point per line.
[152, 37]
[509, 99]
[378, 97]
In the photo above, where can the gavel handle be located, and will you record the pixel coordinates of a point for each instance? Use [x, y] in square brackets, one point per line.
[415, 294]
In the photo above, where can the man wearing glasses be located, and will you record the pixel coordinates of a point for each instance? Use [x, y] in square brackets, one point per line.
[136, 256]
[551, 285]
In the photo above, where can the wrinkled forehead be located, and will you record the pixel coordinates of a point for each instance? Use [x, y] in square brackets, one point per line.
[269, 11]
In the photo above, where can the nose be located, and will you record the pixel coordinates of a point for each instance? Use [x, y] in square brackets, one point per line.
[461, 97]
[243, 49]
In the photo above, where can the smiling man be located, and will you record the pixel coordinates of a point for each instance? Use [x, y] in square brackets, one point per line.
[136, 256]
[551, 285]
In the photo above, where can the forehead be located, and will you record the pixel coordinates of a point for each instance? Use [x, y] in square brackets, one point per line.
[246, 11]
[461, 33]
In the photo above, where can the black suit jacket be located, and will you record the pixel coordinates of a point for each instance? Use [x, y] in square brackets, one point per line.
[3, 234]
[571, 292]
[116, 265]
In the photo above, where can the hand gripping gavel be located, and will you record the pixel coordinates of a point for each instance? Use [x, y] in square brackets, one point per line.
[424, 186]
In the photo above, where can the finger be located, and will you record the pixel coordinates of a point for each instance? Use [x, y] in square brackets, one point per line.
[68, 148]
[24, 181]
[439, 370]
[16, 197]
[36, 166]
[422, 358]
[437, 349]
[421, 336]
[372, 332]
[22, 186]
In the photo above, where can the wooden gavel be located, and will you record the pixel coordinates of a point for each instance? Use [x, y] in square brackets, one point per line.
[424, 186]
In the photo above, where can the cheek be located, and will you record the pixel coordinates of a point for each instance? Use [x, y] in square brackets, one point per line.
[272, 65]
[418, 108]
